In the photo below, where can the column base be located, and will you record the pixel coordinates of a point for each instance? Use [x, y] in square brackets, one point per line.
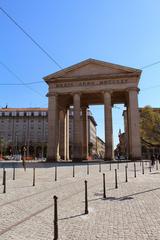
[51, 159]
[132, 158]
[108, 159]
[76, 159]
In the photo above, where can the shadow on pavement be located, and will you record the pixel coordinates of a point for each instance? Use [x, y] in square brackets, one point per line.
[78, 215]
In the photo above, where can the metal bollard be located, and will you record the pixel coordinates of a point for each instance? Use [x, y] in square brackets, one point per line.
[110, 167]
[3, 177]
[86, 198]
[87, 168]
[142, 167]
[104, 186]
[73, 170]
[116, 183]
[156, 165]
[126, 174]
[150, 168]
[14, 174]
[140, 163]
[4, 189]
[55, 218]
[55, 173]
[134, 170]
[100, 167]
[34, 177]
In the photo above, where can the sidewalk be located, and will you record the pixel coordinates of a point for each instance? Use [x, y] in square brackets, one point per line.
[130, 212]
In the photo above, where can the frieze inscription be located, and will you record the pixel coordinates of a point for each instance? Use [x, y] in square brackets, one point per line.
[89, 83]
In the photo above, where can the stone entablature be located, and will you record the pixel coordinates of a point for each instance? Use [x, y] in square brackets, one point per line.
[88, 83]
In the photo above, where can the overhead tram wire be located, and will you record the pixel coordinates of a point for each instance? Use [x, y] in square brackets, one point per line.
[44, 51]
[31, 38]
[39, 82]
[150, 65]
[19, 79]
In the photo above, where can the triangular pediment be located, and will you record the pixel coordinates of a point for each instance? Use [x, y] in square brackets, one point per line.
[91, 67]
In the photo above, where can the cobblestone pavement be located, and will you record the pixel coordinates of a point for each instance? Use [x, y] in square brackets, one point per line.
[132, 211]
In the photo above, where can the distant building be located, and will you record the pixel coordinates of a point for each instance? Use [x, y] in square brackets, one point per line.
[25, 131]
[147, 149]
[100, 148]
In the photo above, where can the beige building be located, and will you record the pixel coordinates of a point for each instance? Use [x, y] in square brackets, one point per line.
[100, 148]
[91, 82]
[146, 148]
[24, 130]
[27, 129]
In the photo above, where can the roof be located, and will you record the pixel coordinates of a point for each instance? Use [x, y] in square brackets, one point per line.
[100, 64]
[23, 109]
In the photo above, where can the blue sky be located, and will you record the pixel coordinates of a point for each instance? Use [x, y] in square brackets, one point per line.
[123, 32]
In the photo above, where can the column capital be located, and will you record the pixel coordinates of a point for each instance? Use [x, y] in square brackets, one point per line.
[84, 107]
[50, 94]
[76, 93]
[107, 92]
[135, 89]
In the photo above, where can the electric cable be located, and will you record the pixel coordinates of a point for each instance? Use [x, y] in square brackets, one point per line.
[31, 38]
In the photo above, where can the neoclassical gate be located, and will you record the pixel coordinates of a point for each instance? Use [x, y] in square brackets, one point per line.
[91, 82]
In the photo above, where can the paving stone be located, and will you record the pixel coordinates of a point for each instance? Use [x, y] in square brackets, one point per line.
[130, 212]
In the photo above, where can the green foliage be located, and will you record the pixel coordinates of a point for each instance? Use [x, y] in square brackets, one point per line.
[150, 125]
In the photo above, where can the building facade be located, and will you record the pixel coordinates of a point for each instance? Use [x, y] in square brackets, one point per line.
[100, 148]
[123, 147]
[25, 131]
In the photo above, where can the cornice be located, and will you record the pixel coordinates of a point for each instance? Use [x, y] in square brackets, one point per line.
[94, 77]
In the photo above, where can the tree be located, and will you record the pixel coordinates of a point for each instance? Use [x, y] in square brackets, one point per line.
[150, 126]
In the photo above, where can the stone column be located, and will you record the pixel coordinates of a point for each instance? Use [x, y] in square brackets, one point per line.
[62, 144]
[133, 125]
[67, 134]
[125, 115]
[53, 128]
[85, 132]
[108, 126]
[77, 144]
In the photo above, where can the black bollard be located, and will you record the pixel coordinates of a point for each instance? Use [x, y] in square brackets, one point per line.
[87, 168]
[156, 165]
[140, 163]
[116, 183]
[55, 218]
[34, 177]
[150, 167]
[86, 198]
[142, 167]
[14, 173]
[73, 170]
[126, 174]
[134, 170]
[3, 177]
[104, 186]
[4, 189]
[110, 167]
[100, 167]
[55, 173]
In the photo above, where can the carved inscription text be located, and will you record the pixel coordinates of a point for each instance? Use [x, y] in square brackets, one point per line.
[89, 83]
